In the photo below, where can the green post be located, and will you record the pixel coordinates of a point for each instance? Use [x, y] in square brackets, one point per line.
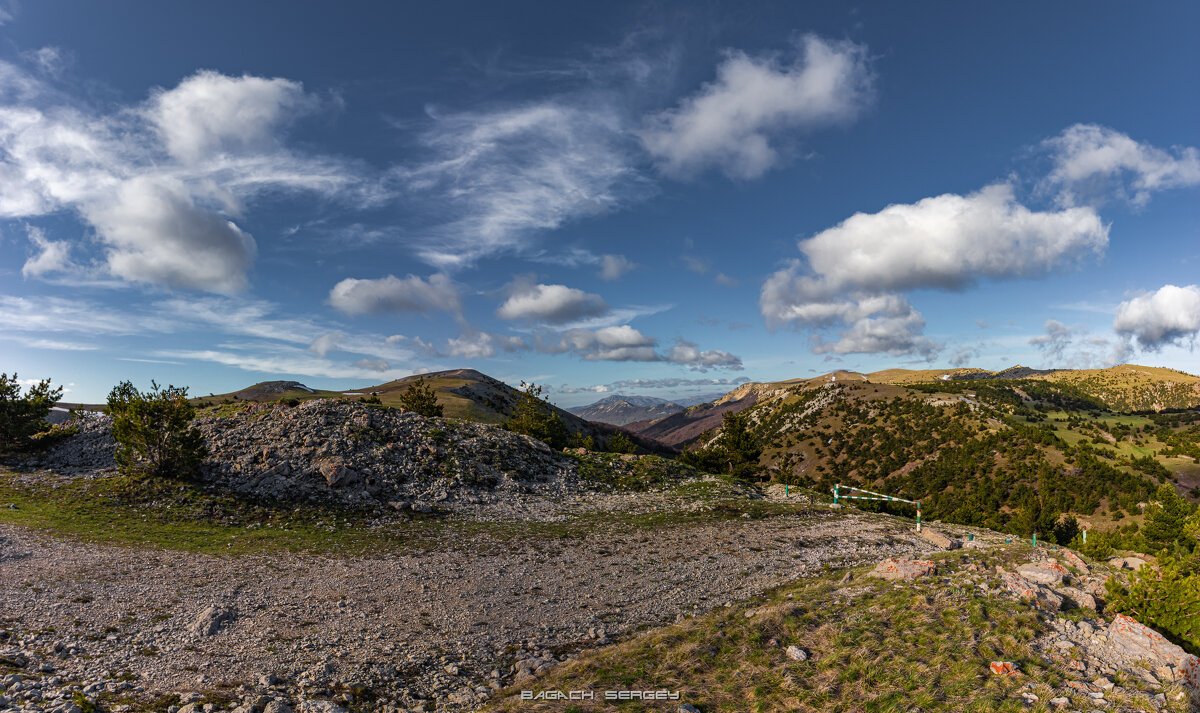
[835, 495]
[785, 490]
[1085, 537]
[918, 517]
[1035, 539]
[970, 537]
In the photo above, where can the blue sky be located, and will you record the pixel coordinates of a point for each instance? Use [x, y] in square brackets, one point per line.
[600, 197]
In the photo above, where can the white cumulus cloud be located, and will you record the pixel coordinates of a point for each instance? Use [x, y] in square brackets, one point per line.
[854, 273]
[553, 304]
[621, 343]
[690, 355]
[1169, 315]
[949, 241]
[394, 294]
[373, 364]
[614, 267]
[737, 122]
[52, 256]
[160, 181]
[155, 233]
[210, 113]
[1090, 161]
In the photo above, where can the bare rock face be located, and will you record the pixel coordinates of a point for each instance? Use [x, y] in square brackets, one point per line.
[1130, 640]
[211, 620]
[900, 569]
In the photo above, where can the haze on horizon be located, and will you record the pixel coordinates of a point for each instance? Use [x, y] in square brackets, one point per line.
[601, 198]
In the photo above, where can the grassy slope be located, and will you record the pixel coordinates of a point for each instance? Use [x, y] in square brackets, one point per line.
[872, 646]
[1126, 387]
[847, 431]
[183, 516]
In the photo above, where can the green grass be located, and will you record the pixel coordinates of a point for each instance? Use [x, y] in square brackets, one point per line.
[642, 474]
[183, 516]
[177, 516]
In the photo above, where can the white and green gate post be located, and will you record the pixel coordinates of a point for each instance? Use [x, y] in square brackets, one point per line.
[872, 495]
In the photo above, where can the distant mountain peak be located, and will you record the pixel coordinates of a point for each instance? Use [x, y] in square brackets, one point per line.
[641, 401]
[620, 409]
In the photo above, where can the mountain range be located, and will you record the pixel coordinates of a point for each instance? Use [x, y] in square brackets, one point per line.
[620, 409]
[968, 443]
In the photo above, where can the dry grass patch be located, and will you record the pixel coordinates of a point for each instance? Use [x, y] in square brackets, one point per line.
[872, 646]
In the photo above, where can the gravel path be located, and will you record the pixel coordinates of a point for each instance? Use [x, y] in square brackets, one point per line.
[433, 631]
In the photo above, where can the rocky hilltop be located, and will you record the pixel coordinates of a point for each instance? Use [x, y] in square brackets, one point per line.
[462, 393]
[355, 455]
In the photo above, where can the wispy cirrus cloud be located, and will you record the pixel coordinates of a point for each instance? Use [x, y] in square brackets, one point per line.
[502, 175]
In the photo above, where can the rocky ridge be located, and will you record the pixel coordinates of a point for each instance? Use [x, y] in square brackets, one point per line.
[357, 455]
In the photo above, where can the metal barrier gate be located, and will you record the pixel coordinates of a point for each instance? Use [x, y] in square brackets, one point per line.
[874, 496]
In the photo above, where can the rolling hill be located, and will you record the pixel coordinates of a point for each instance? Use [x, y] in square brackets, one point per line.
[463, 393]
[1127, 387]
[1009, 449]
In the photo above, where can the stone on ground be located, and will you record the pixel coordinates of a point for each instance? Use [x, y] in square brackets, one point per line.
[1134, 563]
[1044, 572]
[314, 706]
[1078, 597]
[892, 569]
[796, 653]
[210, 621]
[1075, 561]
[940, 540]
[1043, 597]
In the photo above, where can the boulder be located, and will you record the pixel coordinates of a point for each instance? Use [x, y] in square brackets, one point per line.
[1133, 563]
[796, 653]
[1045, 572]
[892, 569]
[1130, 640]
[1074, 560]
[337, 474]
[1078, 597]
[938, 539]
[210, 621]
[315, 706]
[1041, 596]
